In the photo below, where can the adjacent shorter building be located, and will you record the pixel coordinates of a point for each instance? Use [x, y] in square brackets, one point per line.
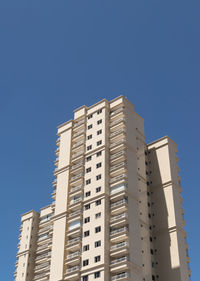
[117, 211]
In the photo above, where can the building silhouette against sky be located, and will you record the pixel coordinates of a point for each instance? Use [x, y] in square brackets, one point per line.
[117, 210]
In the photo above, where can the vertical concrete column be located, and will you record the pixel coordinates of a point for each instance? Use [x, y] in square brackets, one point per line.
[59, 224]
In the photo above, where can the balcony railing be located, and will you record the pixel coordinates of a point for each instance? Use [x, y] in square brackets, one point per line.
[78, 144]
[43, 246]
[119, 245]
[78, 133]
[117, 143]
[77, 154]
[49, 227]
[76, 188]
[116, 111]
[47, 254]
[75, 214]
[117, 122]
[77, 166]
[119, 230]
[116, 155]
[117, 132]
[120, 276]
[76, 177]
[74, 255]
[118, 203]
[119, 260]
[118, 178]
[117, 166]
[124, 215]
[42, 265]
[74, 201]
[76, 124]
[39, 276]
[72, 241]
[72, 269]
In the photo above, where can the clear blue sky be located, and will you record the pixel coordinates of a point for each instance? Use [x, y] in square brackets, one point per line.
[57, 55]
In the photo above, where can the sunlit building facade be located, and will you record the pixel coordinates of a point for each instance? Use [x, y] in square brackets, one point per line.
[117, 210]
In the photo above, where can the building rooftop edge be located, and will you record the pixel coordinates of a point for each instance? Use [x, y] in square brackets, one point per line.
[160, 139]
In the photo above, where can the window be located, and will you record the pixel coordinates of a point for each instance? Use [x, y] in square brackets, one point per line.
[88, 170]
[87, 220]
[89, 147]
[87, 207]
[99, 142]
[90, 116]
[86, 233]
[85, 278]
[98, 189]
[97, 229]
[97, 258]
[98, 165]
[97, 274]
[99, 132]
[98, 202]
[99, 121]
[97, 244]
[86, 248]
[98, 177]
[88, 158]
[99, 153]
[88, 181]
[99, 111]
[89, 127]
[85, 262]
[87, 194]
[98, 215]
[89, 137]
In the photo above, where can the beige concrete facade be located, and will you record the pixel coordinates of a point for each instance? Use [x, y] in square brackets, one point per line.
[117, 212]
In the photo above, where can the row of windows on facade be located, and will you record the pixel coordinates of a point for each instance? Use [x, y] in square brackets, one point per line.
[88, 181]
[96, 245]
[98, 112]
[88, 193]
[89, 147]
[98, 165]
[89, 158]
[99, 132]
[96, 259]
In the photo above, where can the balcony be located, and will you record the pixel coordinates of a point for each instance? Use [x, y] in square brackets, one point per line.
[76, 166]
[118, 231]
[116, 111]
[76, 188]
[74, 255]
[78, 154]
[42, 266]
[74, 214]
[118, 166]
[42, 256]
[118, 132]
[117, 143]
[77, 124]
[118, 217]
[45, 229]
[121, 276]
[54, 182]
[119, 203]
[117, 155]
[76, 177]
[118, 178]
[73, 241]
[72, 269]
[77, 144]
[40, 275]
[78, 133]
[75, 201]
[117, 121]
[58, 141]
[42, 247]
[119, 260]
[119, 246]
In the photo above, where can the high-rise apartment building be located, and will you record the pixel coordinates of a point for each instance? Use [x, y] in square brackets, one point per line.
[117, 211]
